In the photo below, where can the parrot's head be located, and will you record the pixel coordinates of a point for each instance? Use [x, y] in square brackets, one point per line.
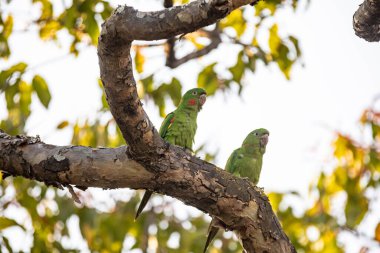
[194, 98]
[257, 138]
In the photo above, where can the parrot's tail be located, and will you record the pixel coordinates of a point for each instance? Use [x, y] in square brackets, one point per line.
[143, 202]
[212, 231]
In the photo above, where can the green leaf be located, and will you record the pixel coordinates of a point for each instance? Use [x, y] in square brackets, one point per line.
[46, 9]
[175, 90]
[10, 94]
[42, 90]
[208, 79]
[148, 84]
[237, 71]
[139, 60]
[274, 40]
[6, 223]
[172, 89]
[284, 63]
[236, 21]
[7, 27]
[50, 29]
[91, 27]
[356, 208]
[25, 98]
[357, 204]
[296, 45]
[5, 75]
[105, 106]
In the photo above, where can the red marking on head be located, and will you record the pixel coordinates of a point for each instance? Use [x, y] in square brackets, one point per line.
[172, 120]
[192, 102]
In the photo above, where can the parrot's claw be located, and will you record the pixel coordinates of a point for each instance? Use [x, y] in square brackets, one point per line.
[188, 151]
[261, 189]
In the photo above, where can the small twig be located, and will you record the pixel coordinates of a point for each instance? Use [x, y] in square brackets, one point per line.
[214, 36]
[73, 194]
[358, 234]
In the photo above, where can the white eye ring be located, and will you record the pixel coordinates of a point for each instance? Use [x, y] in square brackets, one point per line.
[256, 134]
[194, 93]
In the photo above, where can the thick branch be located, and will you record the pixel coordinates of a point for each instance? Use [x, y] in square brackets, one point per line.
[76, 165]
[130, 24]
[366, 20]
[233, 200]
[240, 205]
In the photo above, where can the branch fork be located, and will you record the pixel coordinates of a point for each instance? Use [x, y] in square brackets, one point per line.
[148, 162]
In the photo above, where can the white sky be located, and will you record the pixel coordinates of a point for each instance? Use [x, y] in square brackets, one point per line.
[339, 80]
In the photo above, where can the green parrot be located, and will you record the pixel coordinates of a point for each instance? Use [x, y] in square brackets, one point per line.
[179, 127]
[246, 162]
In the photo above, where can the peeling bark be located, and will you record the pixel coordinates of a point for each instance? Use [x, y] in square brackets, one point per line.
[366, 20]
[148, 162]
[240, 205]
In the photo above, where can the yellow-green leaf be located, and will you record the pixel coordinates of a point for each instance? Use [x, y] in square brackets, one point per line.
[139, 60]
[63, 124]
[208, 79]
[8, 27]
[236, 21]
[42, 90]
[237, 71]
[49, 30]
[6, 223]
[274, 40]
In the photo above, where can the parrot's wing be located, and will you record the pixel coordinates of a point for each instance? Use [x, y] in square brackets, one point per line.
[232, 161]
[165, 125]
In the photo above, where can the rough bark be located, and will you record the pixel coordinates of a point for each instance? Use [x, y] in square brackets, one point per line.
[149, 162]
[366, 20]
[235, 201]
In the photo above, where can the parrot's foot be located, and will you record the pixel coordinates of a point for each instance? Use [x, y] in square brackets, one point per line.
[261, 190]
[188, 151]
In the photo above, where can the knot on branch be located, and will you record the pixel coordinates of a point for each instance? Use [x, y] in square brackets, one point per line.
[366, 20]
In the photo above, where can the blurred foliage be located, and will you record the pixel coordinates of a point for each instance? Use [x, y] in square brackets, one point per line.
[49, 216]
[81, 19]
[18, 96]
[341, 196]
[106, 224]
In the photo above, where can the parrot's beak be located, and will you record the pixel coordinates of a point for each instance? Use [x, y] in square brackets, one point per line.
[264, 139]
[202, 99]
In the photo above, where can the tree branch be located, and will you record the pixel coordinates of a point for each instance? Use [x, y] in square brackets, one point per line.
[215, 41]
[239, 204]
[148, 162]
[195, 182]
[366, 20]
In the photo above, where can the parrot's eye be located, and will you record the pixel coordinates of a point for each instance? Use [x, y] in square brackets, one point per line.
[256, 134]
[194, 93]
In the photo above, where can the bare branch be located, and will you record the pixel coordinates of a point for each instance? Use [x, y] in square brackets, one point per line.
[148, 162]
[215, 41]
[366, 20]
[235, 201]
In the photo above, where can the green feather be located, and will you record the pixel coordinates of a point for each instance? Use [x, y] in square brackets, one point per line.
[245, 161]
[179, 127]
